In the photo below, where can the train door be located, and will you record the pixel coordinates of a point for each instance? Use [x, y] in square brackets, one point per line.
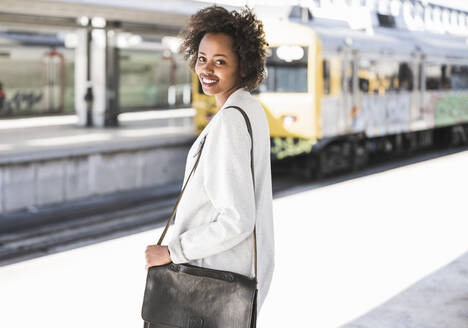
[349, 93]
[363, 81]
[417, 111]
[340, 97]
[387, 95]
[331, 104]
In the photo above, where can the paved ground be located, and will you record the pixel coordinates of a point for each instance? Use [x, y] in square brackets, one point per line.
[342, 250]
[345, 249]
[41, 134]
[439, 300]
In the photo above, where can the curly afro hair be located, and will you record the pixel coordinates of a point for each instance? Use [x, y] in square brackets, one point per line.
[247, 35]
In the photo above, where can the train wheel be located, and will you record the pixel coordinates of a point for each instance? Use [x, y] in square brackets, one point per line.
[310, 166]
[399, 147]
[360, 156]
[410, 143]
[458, 137]
[316, 165]
[465, 131]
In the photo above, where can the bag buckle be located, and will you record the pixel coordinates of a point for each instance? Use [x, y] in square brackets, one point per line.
[195, 322]
[174, 267]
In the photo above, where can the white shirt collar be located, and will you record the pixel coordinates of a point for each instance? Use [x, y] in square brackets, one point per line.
[233, 99]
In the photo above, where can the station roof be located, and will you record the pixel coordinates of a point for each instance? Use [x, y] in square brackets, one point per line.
[168, 16]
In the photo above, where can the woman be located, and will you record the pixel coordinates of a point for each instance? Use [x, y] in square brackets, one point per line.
[217, 213]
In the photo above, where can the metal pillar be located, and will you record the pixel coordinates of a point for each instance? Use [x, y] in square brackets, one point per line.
[89, 87]
[112, 77]
[97, 75]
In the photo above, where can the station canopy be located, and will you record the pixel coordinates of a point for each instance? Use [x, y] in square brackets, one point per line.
[166, 16]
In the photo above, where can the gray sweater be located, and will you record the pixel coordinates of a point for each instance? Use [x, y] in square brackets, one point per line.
[216, 215]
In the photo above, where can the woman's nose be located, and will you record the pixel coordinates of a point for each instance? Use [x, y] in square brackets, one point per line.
[208, 68]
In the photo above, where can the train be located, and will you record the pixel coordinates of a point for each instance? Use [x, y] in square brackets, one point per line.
[334, 97]
[37, 76]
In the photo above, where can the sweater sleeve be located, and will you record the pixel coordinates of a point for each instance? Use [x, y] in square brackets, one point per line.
[227, 180]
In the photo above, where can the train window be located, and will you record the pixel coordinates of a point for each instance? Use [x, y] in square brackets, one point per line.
[291, 79]
[405, 77]
[364, 85]
[459, 77]
[433, 75]
[386, 20]
[286, 70]
[437, 77]
[382, 76]
[299, 12]
[36, 80]
[152, 79]
[445, 77]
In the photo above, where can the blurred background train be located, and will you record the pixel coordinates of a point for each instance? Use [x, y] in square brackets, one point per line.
[333, 96]
[37, 73]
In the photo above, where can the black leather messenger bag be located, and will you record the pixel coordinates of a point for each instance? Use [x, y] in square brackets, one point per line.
[189, 296]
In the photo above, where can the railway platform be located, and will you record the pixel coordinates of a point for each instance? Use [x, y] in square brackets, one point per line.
[51, 160]
[386, 249]
[62, 135]
[380, 250]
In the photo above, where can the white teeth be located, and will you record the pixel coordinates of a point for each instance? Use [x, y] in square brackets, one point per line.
[208, 81]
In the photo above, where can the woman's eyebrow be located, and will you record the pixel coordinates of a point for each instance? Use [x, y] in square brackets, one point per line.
[217, 55]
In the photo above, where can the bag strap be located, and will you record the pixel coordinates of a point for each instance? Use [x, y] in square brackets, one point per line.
[249, 128]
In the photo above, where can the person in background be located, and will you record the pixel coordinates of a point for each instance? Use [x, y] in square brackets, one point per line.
[2, 96]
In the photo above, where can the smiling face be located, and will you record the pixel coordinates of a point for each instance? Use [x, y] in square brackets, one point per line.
[217, 66]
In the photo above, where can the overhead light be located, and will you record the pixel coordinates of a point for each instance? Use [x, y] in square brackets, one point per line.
[98, 22]
[135, 39]
[125, 40]
[172, 43]
[83, 20]
[71, 40]
[290, 53]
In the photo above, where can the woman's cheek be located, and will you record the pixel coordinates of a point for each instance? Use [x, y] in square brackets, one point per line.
[197, 68]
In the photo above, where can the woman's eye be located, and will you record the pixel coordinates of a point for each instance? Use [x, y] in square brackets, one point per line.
[201, 59]
[220, 62]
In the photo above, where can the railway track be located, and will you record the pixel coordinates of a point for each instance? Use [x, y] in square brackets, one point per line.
[59, 228]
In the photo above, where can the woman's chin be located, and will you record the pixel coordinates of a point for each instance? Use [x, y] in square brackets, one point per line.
[209, 92]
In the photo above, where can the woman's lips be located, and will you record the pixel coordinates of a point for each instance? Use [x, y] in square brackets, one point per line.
[208, 82]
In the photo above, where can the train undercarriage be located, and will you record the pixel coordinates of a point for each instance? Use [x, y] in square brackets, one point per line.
[350, 153]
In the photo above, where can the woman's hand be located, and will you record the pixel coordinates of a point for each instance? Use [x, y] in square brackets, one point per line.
[157, 255]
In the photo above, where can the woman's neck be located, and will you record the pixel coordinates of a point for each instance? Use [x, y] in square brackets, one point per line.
[222, 97]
